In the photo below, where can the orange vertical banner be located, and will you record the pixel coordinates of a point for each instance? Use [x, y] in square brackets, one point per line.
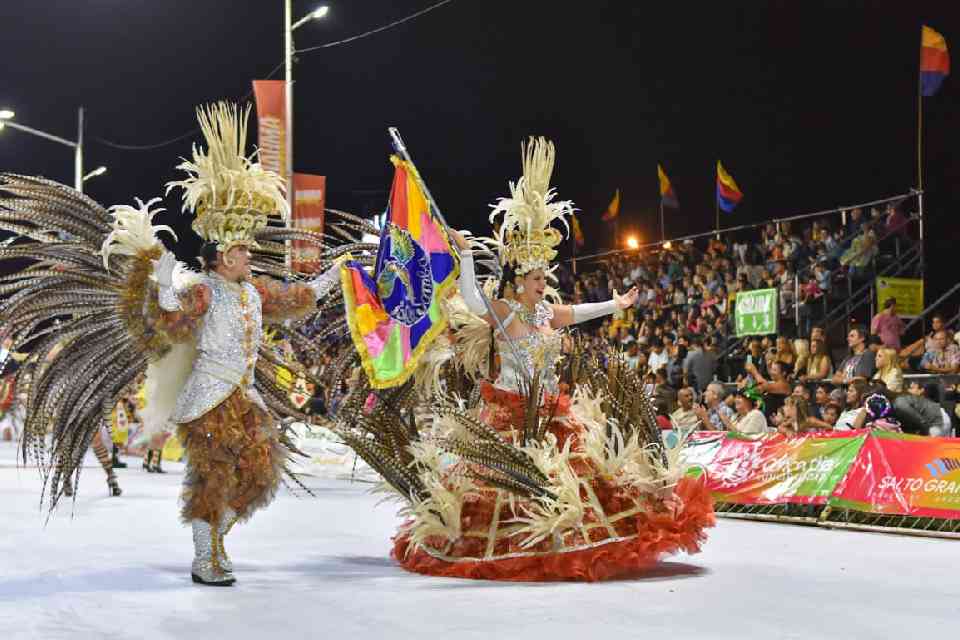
[272, 132]
[309, 199]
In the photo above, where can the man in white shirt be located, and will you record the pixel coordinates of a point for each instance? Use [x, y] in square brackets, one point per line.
[658, 355]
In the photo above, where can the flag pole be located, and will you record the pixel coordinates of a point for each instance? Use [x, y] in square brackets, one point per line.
[401, 149]
[573, 249]
[663, 233]
[920, 117]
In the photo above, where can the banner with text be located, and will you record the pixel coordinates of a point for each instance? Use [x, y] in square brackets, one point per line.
[907, 291]
[904, 475]
[755, 312]
[309, 199]
[775, 469]
[272, 129]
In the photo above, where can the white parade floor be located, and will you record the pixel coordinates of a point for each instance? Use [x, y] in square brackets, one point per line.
[319, 568]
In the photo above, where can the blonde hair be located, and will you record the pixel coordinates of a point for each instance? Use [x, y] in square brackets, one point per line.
[892, 361]
[801, 348]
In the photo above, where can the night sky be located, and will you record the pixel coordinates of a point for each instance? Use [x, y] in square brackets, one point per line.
[809, 105]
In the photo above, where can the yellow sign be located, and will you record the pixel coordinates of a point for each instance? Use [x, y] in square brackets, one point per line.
[907, 291]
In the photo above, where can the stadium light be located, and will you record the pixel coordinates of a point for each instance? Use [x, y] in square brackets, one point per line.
[633, 243]
[668, 245]
[99, 171]
[6, 114]
[316, 14]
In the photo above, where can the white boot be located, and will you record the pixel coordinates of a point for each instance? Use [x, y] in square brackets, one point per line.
[227, 520]
[206, 567]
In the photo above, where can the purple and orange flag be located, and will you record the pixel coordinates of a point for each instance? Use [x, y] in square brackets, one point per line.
[934, 61]
[668, 197]
[395, 313]
[728, 193]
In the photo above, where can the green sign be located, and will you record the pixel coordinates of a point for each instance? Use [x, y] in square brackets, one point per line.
[907, 291]
[755, 312]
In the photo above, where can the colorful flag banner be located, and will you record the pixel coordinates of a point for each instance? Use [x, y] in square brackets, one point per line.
[780, 470]
[613, 209]
[934, 61]
[728, 193]
[272, 130]
[905, 475]
[577, 231]
[309, 198]
[395, 313]
[668, 197]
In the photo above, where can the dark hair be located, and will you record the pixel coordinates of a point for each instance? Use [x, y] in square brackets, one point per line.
[506, 277]
[889, 303]
[860, 329]
[874, 339]
[208, 256]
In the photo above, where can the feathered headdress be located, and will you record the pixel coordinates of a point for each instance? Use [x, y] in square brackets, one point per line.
[230, 193]
[525, 237]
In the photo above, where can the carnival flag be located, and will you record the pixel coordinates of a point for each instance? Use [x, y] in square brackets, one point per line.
[395, 313]
[934, 61]
[271, 118]
[728, 193]
[613, 209]
[577, 231]
[667, 195]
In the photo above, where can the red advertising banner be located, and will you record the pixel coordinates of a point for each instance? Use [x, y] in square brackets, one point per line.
[904, 475]
[272, 136]
[309, 198]
[775, 469]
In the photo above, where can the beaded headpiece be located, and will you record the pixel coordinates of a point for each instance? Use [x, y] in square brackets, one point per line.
[525, 238]
[230, 193]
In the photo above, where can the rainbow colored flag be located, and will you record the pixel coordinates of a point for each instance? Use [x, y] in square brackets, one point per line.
[668, 197]
[395, 313]
[613, 209]
[728, 193]
[934, 61]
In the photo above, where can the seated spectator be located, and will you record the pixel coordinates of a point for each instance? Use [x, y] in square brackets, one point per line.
[658, 357]
[801, 347]
[821, 398]
[915, 414]
[943, 358]
[685, 419]
[714, 409]
[861, 363]
[830, 414]
[748, 419]
[785, 353]
[801, 391]
[888, 325]
[926, 343]
[777, 388]
[797, 418]
[856, 394]
[818, 366]
[664, 396]
[888, 369]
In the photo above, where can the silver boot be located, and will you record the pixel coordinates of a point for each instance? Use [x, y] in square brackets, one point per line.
[206, 567]
[227, 520]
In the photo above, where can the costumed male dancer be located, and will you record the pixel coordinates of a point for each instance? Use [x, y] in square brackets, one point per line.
[234, 456]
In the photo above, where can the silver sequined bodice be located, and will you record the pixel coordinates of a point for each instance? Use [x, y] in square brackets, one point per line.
[227, 343]
[537, 351]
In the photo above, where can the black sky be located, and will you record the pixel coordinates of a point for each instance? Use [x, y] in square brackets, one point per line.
[809, 104]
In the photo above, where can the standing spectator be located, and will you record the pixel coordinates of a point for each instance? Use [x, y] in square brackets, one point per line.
[699, 366]
[714, 414]
[888, 325]
[777, 388]
[658, 356]
[675, 371]
[861, 363]
[888, 369]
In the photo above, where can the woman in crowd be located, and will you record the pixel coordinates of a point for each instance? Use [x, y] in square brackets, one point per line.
[777, 388]
[856, 394]
[801, 347]
[818, 366]
[749, 418]
[888, 369]
[797, 418]
[785, 352]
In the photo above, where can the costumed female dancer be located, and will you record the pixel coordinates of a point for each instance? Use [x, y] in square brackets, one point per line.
[518, 478]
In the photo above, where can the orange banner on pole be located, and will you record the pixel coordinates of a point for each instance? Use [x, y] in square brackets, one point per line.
[272, 136]
[309, 199]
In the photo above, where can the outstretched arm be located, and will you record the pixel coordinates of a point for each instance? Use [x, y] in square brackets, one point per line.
[565, 314]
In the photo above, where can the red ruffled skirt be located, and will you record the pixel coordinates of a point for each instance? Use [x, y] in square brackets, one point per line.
[623, 530]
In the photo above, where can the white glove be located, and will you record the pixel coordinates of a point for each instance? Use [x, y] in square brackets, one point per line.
[163, 269]
[323, 283]
[468, 284]
[163, 272]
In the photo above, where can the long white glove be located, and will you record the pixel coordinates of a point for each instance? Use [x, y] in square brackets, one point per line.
[468, 284]
[591, 310]
[324, 282]
[163, 272]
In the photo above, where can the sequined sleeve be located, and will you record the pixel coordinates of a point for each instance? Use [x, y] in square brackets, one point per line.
[281, 301]
[180, 325]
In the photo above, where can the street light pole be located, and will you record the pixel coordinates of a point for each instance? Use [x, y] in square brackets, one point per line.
[78, 154]
[288, 106]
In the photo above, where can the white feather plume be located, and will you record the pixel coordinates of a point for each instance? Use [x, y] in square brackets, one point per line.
[133, 230]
